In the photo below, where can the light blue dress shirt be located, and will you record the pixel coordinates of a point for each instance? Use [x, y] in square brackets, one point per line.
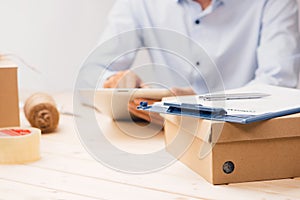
[248, 41]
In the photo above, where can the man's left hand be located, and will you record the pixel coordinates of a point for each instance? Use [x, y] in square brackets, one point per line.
[155, 117]
[144, 114]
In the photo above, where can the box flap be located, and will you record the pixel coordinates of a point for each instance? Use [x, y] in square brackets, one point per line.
[7, 64]
[281, 127]
[219, 132]
[195, 126]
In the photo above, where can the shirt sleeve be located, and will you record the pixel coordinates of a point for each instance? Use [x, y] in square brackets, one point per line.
[278, 48]
[117, 47]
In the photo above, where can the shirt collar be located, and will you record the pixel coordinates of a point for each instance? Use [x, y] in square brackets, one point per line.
[214, 2]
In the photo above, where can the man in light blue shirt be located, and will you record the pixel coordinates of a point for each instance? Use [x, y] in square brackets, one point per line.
[249, 41]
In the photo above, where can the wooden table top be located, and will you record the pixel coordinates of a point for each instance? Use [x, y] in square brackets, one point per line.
[67, 171]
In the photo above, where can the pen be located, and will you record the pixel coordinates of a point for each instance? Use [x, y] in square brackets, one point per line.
[232, 96]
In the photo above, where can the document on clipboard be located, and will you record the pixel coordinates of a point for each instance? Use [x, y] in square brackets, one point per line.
[244, 105]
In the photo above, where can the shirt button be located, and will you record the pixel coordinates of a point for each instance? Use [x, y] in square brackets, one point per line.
[197, 21]
[197, 63]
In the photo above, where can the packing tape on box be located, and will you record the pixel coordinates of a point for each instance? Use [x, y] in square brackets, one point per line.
[18, 145]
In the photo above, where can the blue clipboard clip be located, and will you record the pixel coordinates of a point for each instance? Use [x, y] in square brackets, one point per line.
[197, 110]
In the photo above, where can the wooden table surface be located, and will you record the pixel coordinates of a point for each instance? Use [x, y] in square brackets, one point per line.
[67, 171]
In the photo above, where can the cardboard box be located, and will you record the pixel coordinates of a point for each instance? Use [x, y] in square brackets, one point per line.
[9, 100]
[229, 153]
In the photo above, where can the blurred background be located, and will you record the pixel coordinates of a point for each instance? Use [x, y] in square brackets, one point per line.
[55, 36]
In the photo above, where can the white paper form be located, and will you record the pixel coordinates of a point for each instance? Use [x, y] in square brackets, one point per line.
[279, 99]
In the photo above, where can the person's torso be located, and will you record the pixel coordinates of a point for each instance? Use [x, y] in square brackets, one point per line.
[228, 31]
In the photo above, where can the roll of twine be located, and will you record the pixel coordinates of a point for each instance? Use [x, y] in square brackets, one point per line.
[41, 112]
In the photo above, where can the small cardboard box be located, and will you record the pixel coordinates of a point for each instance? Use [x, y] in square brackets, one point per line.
[9, 100]
[229, 153]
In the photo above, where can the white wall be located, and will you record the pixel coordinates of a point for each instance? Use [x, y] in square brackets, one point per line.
[53, 35]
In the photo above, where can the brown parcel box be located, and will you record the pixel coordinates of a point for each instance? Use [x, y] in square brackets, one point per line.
[259, 151]
[9, 101]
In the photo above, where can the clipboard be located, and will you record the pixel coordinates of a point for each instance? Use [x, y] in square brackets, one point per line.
[285, 101]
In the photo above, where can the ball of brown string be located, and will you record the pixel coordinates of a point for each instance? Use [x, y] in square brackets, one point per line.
[41, 112]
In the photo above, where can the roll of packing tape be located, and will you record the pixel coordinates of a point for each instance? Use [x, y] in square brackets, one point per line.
[18, 145]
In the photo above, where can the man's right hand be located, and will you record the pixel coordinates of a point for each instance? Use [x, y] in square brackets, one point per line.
[155, 117]
[123, 79]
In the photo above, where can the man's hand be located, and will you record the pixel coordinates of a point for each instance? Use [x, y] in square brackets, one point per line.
[182, 91]
[143, 114]
[155, 117]
[123, 79]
